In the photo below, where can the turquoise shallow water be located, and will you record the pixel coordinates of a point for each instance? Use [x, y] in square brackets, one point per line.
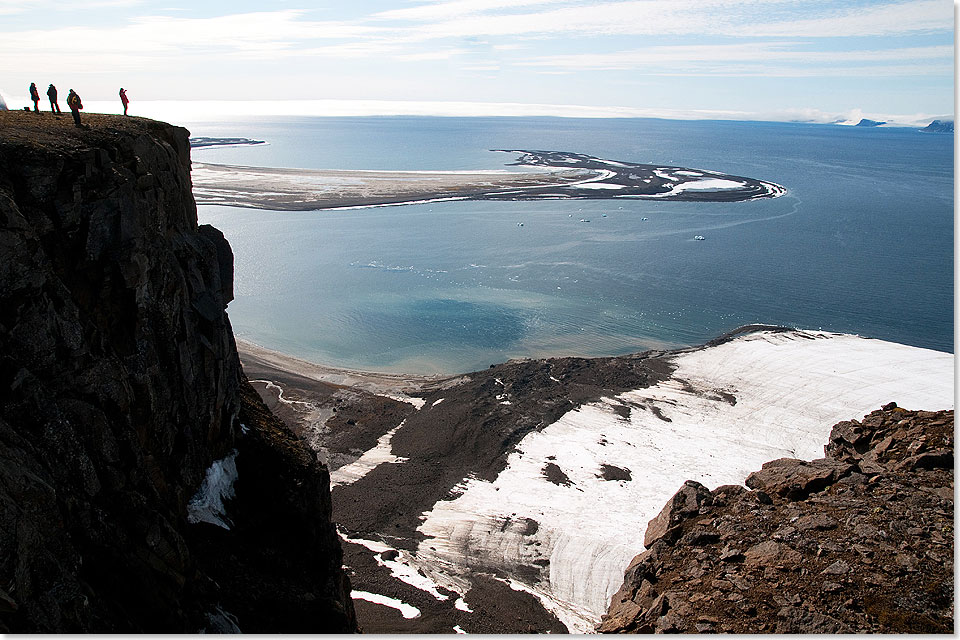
[862, 243]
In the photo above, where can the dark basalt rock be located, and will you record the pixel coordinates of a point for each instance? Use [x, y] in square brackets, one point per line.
[119, 385]
[858, 542]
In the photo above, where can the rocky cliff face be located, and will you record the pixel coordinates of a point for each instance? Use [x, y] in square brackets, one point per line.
[120, 385]
[860, 541]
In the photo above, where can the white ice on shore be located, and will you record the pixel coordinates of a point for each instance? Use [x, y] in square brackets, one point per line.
[404, 567]
[370, 460]
[600, 185]
[400, 397]
[789, 389]
[408, 611]
[207, 504]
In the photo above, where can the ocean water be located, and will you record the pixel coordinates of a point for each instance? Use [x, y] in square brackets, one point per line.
[862, 243]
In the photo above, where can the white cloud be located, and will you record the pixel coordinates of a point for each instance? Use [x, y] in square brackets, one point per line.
[455, 8]
[10, 7]
[685, 17]
[169, 40]
[882, 20]
[756, 58]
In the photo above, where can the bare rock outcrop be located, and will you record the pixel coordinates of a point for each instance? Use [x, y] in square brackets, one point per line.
[858, 541]
[119, 386]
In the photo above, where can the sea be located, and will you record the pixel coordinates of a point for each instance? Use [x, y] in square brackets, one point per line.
[861, 243]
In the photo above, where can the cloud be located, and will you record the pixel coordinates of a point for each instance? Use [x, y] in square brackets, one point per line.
[879, 20]
[167, 40]
[11, 7]
[772, 58]
[681, 17]
[455, 9]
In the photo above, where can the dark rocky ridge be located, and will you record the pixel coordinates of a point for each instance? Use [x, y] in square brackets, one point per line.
[939, 126]
[119, 385]
[860, 541]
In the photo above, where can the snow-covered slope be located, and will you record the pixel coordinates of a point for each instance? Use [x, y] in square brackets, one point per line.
[566, 514]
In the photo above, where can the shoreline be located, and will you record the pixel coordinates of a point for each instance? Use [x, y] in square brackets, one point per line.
[261, 359]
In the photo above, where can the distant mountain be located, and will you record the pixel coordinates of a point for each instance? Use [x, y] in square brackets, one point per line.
[939, 126]
[869, 123]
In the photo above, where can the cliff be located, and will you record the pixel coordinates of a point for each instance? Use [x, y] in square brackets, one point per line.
[120, 387]
[860, 541]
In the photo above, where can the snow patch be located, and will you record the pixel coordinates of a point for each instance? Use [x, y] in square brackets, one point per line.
[399, 397]
[600, 185]
[402, 566]
[406, 610]
[370, 460]
[207, 504]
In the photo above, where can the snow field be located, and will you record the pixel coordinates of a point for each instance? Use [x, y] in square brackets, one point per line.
[726, 411]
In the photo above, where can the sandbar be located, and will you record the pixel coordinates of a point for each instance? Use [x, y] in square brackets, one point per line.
[540, 175]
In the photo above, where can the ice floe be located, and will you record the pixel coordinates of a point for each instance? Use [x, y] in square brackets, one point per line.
[207, 504]
[726, 410]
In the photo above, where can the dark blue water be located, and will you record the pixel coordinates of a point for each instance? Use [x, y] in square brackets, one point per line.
[862, 243]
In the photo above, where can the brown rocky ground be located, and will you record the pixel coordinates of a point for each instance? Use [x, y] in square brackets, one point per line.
[860, 541]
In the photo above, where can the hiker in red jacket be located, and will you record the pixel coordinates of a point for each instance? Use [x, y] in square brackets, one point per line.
[124, 99]
[73, 101]
[35, 96]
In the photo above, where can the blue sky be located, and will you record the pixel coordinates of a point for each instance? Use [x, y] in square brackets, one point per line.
[772, 59]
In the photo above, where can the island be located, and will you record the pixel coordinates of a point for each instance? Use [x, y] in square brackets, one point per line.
[939, 126]
[202, 141]
[548, 175]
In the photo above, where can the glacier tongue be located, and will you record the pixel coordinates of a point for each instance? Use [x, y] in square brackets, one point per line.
[727, 409]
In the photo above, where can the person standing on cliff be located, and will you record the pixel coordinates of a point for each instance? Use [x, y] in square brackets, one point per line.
[73, 101]
[52, 94]
[35, 96]
[124, 99]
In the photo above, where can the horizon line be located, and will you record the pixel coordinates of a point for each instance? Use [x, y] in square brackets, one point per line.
[206, 110]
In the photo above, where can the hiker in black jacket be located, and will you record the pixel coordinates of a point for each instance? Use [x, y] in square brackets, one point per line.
[52, 94]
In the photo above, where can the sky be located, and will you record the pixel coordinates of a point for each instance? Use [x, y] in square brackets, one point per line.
[808, 60]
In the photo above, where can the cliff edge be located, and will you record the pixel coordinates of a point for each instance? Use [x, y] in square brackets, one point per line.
[121, 390]
[860, 541]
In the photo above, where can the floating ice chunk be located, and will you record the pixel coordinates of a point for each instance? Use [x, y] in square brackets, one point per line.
[462, 605]
[406, 610]
[206, 505]
[436, 402]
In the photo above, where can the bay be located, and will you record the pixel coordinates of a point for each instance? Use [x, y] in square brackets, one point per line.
[862, 243]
